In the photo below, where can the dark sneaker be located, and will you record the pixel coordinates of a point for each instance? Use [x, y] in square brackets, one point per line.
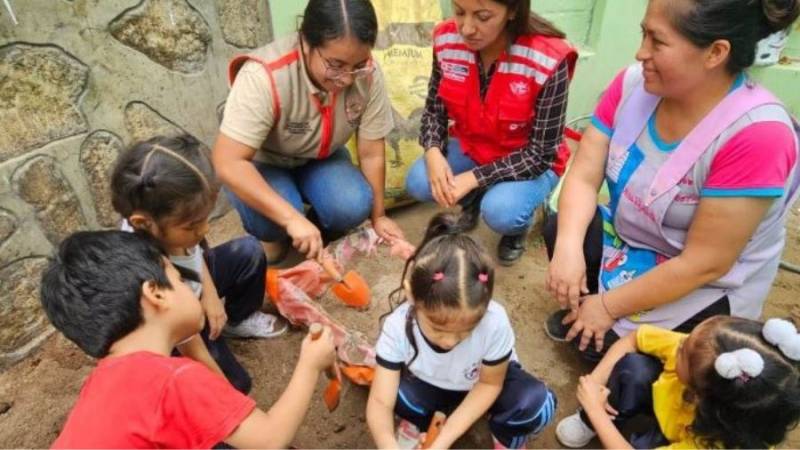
[510, 249]
[553, 327]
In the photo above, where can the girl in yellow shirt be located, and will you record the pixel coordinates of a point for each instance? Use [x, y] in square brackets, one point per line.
[731, 383]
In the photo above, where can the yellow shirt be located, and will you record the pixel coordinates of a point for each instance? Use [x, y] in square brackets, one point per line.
[674, 415]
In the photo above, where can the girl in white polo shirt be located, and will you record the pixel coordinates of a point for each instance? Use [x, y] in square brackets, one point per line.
[450, 348]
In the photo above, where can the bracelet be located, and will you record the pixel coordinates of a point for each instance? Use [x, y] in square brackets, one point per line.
[603, 301]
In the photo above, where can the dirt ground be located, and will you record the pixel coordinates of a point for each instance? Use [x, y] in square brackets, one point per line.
[37, 394]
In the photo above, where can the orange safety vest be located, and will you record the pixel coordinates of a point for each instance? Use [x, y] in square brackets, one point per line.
[491, 128]
[326, 111]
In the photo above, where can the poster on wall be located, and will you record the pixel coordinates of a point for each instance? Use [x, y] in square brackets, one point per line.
[404, 53]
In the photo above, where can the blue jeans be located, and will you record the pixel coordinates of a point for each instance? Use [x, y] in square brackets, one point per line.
[336, 190]
[523, 408]
[507, 207]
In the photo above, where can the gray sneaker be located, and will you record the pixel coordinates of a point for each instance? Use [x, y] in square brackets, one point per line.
[257, 325]
[573, 433]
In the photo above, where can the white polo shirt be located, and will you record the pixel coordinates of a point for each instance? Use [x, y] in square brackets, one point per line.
[490, 343]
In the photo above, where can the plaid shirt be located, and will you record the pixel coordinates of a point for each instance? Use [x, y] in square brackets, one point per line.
[528, 162]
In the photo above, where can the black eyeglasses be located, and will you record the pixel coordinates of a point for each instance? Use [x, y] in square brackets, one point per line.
[335, 73]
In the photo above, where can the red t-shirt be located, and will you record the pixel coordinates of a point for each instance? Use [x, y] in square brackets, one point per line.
[145, 400]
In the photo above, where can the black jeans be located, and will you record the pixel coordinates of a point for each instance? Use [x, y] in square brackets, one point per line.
[593, 254]
[525, 405]
[631, 386]
[238, 268]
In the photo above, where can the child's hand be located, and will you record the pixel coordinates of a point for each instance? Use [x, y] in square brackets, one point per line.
[215, 312]
[319, 353]
[593, 396]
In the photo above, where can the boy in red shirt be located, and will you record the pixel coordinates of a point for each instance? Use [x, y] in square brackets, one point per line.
[119, 298]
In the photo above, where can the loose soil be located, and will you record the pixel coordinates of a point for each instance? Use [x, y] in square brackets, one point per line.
[37, 394]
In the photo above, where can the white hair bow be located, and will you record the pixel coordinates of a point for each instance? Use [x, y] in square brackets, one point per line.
[783, 334]
[744, 363]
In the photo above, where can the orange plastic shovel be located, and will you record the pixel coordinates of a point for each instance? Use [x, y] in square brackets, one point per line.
[351, 289]
[334, 388]
[434, 428]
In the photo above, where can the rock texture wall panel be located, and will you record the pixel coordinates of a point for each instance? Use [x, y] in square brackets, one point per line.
[80, 81]
[171, 33]
[40, 183]
[23, 324]
[98, 153]
[40, 91]
[245, 23]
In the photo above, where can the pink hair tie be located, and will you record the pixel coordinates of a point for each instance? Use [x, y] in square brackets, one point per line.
[438, 276]
[483, 277]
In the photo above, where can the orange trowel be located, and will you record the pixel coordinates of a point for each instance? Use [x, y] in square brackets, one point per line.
[433, 429]
[351, 289]
[334, 389]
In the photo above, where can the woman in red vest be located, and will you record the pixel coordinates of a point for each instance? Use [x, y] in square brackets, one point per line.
[501, 75]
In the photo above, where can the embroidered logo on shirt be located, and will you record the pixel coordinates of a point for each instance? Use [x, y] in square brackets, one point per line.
[472, 371]
[456, 72]
[298, 127]
[354, 108]
[519, 88]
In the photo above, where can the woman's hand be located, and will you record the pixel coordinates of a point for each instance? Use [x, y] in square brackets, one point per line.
[306, 237]
[440, 177]
[566, 277]
[387, 229]
[464, 184]
[593, 322]
[593, 396]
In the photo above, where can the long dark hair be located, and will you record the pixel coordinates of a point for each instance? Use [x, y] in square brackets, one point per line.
[326, 20]
[166, 177]
[741, 22]
[742, 413]
[448, 270]
[527, 22]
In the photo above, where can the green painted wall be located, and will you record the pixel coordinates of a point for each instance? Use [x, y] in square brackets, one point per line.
[607, 32]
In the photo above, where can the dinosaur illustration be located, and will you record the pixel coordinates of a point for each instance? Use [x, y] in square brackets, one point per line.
[407, 128]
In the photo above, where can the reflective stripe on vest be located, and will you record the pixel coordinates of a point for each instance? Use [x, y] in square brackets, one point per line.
[533, 55]
[456, 55]
[448, 38]
[523, 70]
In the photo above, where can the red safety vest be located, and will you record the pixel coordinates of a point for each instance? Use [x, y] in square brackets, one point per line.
[491, 128]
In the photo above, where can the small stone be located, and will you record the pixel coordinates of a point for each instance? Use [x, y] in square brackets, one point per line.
[339, 428]
[40, 182]
[170, 33]
[4, 407]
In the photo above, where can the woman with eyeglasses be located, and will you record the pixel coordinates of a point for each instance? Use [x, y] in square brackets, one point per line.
[500, 77]
[292, 107]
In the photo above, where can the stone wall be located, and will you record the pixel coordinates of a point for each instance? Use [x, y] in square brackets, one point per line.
[79, 81]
